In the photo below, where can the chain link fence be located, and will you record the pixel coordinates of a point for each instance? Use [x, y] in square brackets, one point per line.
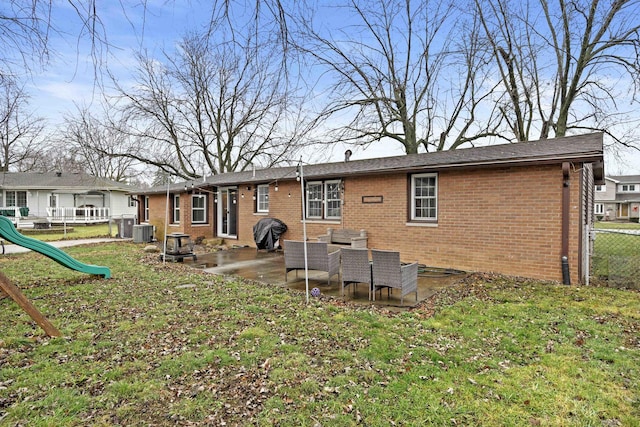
[615, 260]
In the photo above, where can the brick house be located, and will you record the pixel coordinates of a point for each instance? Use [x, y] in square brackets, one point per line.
[514, 209]
[618, 198]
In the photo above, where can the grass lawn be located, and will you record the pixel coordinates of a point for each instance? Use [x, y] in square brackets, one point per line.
[607, 225]
[76, 232]
[167, 345]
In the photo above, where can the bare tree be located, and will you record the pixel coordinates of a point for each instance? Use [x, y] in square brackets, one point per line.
[564, 65]
[466, 112]
[88, 139]
[26, 30]
[24, 33]
[401, 72]
[214, 106]
[19, 128]
[53, 158]
[26, 27]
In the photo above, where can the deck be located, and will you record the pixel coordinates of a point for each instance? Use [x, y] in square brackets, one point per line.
[57, 216]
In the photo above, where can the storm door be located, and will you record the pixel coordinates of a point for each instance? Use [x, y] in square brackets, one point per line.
[228, 212]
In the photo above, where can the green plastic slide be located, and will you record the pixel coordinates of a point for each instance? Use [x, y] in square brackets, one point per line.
[8, 231]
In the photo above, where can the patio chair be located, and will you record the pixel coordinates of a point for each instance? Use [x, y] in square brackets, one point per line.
[356, 268]
[318, 258]
[388, 272]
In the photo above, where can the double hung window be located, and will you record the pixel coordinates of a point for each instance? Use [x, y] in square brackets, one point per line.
[598, 208]
[146, 209]
[198, 209]
[424, 197]
[176, 209]
[262, 198]
[324, 200]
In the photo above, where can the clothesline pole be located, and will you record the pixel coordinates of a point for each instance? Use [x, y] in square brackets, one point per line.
[300, 176]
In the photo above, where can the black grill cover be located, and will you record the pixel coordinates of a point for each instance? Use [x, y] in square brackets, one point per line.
[267, 231]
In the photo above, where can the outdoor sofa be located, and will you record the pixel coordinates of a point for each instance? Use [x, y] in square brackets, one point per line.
[318, 258]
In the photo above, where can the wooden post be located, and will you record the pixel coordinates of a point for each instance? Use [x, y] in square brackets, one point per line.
[15, 293]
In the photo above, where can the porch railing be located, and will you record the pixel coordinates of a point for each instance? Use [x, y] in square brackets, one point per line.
[78, 215]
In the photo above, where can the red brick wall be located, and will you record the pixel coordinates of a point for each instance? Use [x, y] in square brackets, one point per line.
[157, 215]
[505, 220]
[157, 204]
[502, 220]
[197, 230]
[285, 205]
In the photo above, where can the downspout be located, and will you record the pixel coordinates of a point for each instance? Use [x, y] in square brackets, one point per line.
[566, 207]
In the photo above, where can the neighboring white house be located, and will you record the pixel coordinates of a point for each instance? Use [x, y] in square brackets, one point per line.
[618, 198]
[59, 197]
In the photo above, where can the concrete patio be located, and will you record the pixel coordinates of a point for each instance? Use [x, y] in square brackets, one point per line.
[268, 267]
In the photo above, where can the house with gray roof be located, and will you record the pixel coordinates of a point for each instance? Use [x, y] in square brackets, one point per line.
[618, 199]
[515, 209]
[63, 197]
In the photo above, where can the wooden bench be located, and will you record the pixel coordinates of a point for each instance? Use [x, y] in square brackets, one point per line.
[345, 236]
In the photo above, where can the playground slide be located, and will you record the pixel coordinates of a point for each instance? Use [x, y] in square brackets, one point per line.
[8, 231]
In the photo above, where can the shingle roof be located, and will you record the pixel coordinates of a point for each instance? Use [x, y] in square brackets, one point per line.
[626, 179]
[60, 182]
[580, 148]
[627, 197]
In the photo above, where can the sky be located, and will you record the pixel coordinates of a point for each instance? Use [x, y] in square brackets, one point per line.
[70, 77]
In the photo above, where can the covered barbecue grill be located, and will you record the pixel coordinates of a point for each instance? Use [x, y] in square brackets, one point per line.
[267, 232]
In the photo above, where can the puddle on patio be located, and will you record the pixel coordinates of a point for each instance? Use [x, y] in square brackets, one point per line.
[268, 267]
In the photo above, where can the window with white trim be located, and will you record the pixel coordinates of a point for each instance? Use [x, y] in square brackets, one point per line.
[198, 208]
[598, 208]
[601, 188]
[146, 208]
[424, 197]
[324, 199]
[333, 202]
[176, 209]
[131, 202]
[314, 199]
[628, 188]
[16, 198]
[262, 202]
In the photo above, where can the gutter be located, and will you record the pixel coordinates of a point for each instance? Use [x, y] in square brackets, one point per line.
[345, 170]
[566, 207]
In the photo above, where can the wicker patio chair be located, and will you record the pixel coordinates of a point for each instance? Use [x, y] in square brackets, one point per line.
[388, 272]
[318, 258]
[355, 268]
